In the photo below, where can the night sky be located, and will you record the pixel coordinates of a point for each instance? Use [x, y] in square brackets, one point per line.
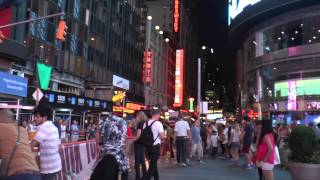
[213, 32]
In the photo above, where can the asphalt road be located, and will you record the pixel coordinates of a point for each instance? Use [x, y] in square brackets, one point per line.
[212, 170]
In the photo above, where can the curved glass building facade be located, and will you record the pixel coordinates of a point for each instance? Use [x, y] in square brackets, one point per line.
[279, 65]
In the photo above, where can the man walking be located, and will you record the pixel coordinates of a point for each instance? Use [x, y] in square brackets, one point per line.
[153, 152]
[47, 138]
[182, 132]
[247, 141]
[196, 142]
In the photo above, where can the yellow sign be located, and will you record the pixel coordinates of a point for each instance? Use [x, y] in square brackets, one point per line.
[119, 97]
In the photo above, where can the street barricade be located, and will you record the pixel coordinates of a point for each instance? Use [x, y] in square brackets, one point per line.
[78, 159]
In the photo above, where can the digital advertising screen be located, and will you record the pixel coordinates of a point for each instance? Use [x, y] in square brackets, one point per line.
[237, 6]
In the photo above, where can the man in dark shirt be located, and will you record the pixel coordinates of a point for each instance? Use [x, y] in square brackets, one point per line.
[247, 141]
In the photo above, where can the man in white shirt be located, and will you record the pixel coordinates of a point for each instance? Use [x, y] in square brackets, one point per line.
[47, 138]
[154, 151]
[182, 133]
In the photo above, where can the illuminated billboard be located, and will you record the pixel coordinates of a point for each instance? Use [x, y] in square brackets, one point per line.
[298, 87]
[178, 97]
[237, 6]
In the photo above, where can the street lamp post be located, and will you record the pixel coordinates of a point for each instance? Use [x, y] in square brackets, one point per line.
[199, 91]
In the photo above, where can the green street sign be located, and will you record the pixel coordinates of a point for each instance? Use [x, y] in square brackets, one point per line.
[44, 75]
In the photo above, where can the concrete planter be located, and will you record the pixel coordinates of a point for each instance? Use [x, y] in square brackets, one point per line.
[302, 171]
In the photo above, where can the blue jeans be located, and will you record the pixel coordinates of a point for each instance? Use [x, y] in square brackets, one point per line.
[181, 143]
[139, 152]
[24, 177]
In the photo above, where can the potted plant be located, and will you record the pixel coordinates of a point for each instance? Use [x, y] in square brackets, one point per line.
[304, 161]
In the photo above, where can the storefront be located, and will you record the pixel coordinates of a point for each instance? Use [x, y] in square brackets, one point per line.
[71, 107]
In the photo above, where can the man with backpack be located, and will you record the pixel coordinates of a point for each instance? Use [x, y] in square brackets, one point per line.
[151, 136]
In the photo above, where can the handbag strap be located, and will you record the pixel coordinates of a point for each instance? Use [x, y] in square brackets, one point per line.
[13, 151]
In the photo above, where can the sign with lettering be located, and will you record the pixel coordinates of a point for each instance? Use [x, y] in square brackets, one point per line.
[147, 64]
[13, 85]
[120, 82]
[178, 97]
[176, 15]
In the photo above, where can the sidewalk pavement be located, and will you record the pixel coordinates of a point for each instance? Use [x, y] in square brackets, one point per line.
[212, 169]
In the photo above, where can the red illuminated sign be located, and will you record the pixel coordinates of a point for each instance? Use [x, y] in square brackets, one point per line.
[176, 15]
[178, 97]
[134, 106]
[147, 67]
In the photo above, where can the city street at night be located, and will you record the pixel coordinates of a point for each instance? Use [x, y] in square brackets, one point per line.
[159, 90]
[211, 169]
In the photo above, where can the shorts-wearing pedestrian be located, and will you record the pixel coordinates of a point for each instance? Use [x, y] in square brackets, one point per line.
[265, 166]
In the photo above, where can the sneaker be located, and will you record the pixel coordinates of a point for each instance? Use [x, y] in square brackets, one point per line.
[183, 164]
[247, 166]
[201, 162]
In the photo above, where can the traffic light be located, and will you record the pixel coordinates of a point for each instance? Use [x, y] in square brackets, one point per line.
[2, 37]
[62, 30]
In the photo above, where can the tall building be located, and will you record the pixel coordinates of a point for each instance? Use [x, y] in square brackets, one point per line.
[100, 60]
[278, 54]
[105, 41]
[174, 18]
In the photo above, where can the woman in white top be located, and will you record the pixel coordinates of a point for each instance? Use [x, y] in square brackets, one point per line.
[235, 143]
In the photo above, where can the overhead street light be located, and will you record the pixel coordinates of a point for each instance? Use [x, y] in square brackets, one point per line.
[161, 32]
[149, 18]
[157, 27]
[203, 47]
[166, 39]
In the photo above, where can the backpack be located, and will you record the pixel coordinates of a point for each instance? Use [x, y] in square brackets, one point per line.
[146, 137]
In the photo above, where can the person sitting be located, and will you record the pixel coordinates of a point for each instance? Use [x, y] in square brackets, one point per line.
[18, 162]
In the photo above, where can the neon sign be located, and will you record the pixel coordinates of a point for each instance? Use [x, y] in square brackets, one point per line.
[237, 6]
[178, 98]
[147, 67]
[176, 15]
[191, 107]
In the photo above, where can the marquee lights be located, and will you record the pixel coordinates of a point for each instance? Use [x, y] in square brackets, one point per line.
[147, 67]
[176, 15]
[178, 98]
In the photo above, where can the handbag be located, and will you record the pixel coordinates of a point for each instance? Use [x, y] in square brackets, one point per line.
[277, 156]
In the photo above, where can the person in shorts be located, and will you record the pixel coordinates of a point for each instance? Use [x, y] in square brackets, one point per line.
[264, 159]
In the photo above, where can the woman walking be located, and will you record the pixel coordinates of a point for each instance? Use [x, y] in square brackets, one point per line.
[235, 143]
[265, 157]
